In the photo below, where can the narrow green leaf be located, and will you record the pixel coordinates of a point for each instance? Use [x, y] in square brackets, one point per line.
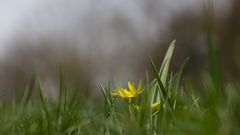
[30, 89]
[165, 64]
[164, 92]
[38, 87]
[178, 75]
[106, 97]
[60, 89]
[162, 88]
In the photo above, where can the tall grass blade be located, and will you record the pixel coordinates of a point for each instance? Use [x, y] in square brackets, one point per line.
[213, 57]
[107, 99]
[106, 95]
[42, 99]
[31, 88]
[44, 105]
[166, 62]
[162, 88]
[60, 90]
[177, 76]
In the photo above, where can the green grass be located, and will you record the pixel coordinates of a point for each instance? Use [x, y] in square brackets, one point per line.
[184, 109]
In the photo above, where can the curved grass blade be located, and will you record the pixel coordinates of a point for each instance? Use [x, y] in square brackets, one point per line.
[165, 64]
[162, 88]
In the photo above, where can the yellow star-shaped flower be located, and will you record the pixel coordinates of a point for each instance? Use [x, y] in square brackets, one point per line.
[128, 93]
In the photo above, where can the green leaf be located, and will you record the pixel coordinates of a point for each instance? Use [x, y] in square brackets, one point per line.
[165, 64]
[60, 89]
[163, 90]
[177, 76]
[106, 96]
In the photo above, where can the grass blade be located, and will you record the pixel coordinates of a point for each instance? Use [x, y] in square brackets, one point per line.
[163, 90]
[60, 90]
[166, 62]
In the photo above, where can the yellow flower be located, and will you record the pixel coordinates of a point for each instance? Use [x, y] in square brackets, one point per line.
[128, 93]
[156, 105]
[119, 92]
[137, 107]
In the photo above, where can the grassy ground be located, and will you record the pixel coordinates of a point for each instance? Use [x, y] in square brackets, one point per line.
[164, 105]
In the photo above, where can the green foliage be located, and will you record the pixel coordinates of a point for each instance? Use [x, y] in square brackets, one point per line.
[181, 111]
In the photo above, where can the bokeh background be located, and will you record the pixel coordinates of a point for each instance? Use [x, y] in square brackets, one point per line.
[98, 41]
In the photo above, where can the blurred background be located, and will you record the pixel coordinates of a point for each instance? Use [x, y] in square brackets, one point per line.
[98, 41]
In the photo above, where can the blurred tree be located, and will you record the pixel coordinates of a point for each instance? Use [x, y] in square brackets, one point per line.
[229, 37]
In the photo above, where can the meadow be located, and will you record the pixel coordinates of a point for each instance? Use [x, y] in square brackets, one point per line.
[166, 104]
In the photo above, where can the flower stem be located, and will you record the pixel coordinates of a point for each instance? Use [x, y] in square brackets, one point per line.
[129, 106]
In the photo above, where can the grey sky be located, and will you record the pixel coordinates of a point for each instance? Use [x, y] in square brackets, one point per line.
[45, 18]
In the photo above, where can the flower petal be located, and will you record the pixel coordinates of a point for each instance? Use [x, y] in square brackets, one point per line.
[118, 92]
[127, 93]
[131, 88]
